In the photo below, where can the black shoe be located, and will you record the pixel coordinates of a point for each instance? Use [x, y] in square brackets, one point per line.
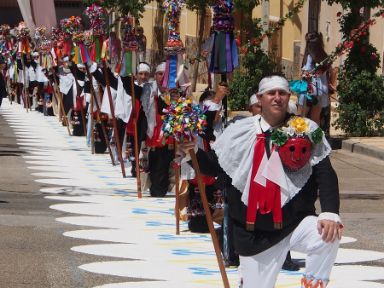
[289, 265]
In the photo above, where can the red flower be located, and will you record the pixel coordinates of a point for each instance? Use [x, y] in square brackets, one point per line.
[348, 44]
[373, 56]
[338, 14]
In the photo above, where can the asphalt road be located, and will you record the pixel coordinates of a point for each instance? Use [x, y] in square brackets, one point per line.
[34, 253]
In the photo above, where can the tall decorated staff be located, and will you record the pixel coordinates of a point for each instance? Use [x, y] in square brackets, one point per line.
[127, 67]
[93, 41]
[100, 56]
[174, 48]
[184, 121]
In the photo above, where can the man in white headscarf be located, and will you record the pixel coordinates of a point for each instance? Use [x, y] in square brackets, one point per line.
[273, 167]
[161, 151]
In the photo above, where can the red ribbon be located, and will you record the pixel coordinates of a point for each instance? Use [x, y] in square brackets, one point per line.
[263, 199]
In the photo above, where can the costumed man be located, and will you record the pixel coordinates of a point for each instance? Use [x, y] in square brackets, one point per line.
[3, 87]
[67, 86]
[161, 152]
[274, 167]
[105, 108]
[42, 83]
[143, 72]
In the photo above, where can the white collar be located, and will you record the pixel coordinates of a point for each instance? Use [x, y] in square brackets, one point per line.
[264, 124]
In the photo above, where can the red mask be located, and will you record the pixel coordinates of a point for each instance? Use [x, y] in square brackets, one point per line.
[295, 153]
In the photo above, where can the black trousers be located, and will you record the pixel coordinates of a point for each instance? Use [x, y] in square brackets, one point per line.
[159, 161]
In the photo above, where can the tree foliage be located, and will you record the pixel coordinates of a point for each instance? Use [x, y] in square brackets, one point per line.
[135, 7]
[360, 90]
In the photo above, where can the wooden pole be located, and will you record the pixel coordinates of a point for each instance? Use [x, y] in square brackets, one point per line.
[116, 132]
[90, 118]
[61, 102]
[177, 196]
[136, 138]
[208, 216]
[78, 96]
[25, 92]
[93, 94]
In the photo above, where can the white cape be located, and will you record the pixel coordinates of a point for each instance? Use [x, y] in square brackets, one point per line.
[235, 149]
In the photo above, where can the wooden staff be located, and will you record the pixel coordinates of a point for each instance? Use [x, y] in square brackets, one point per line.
[177, 196]
[61, 102]
[136, 138]
[93, 95]
[116, 132]
[90, 118]
[78, 96]
[25, 91]
[208, 217]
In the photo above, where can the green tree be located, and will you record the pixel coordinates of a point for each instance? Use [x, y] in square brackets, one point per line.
[256, 64]
[360, 90]
[135, 7]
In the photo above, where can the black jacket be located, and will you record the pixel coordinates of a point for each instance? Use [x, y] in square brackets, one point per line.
[323, 183]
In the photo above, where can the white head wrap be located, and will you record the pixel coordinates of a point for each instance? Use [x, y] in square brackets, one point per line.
[160, 67]
[273, 82]
[80, 65]
[253, 100]
[143, 67]
[66, 58]
[34, 54]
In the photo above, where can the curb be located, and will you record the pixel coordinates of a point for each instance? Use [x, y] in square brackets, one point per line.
[355, 146]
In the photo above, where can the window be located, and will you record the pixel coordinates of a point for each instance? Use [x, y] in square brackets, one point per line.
[313, 15]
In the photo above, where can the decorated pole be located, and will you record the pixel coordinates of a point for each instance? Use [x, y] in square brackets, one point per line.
[103, 128]
[177, 192]
[114, 122]
[128, 68]
[50, 53]
[224, 56]
[184, 121]
[93, 39]
[174, 50]
[6, 50]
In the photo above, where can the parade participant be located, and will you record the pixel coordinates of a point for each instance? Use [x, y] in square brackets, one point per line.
[254, 105]
[3, 89]
[143, 73]
[142, 77]
[271, 191]
[161, 152]
[67, 86]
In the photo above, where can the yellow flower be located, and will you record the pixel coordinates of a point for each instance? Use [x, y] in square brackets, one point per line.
[299, 124]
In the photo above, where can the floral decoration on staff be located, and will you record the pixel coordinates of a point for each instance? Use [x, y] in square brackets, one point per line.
[96, 15]
[23, 35]
[70, 25]
[183, 120]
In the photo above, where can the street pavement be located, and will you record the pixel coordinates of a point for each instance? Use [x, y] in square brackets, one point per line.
[69, 219]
